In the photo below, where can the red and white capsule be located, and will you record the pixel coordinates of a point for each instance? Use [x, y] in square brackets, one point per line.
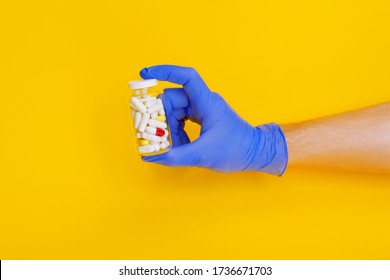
[155, 131]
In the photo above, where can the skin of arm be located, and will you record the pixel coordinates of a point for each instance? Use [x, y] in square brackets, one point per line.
[357, 140]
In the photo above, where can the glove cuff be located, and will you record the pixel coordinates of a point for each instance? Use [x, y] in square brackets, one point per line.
[271, 152]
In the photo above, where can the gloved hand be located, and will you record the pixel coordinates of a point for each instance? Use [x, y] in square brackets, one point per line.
[227, 142]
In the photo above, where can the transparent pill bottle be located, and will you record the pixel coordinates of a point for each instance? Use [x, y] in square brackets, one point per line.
[150, 126]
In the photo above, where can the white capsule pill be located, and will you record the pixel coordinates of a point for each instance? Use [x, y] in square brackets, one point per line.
[143, 122]
[151, 130]
[156, 146]
[156, 123]
[151, 137]
[146, 149]
[144, 90]
[138, 104]
[161, 112]
[153, 116]
[166, 132]
[137, 119]
[163, 145]
[133, 107]
[164, 138]
[150, 103]
[147, 98]
[138, 135]
[137, 92]
[155, 108]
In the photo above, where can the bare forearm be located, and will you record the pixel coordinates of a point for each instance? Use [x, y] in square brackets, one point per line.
[356, 140]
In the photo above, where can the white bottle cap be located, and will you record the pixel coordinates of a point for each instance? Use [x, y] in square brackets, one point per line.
[142, 83]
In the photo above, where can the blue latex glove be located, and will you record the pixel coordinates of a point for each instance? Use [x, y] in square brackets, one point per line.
[227, 142]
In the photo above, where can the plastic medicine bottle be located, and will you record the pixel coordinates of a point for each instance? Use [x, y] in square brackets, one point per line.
[150, 126]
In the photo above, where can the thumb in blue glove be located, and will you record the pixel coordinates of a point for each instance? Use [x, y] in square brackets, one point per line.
[227, 143]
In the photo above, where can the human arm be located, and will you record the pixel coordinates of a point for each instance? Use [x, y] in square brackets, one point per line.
[357, 140]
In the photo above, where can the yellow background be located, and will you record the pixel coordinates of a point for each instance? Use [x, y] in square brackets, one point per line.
[71, 184]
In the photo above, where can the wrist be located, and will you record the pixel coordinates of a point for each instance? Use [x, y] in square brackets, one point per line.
[270, 154]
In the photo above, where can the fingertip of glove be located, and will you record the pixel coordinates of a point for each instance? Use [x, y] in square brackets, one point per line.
[144, 73]
[155, 158]
[147, 159]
